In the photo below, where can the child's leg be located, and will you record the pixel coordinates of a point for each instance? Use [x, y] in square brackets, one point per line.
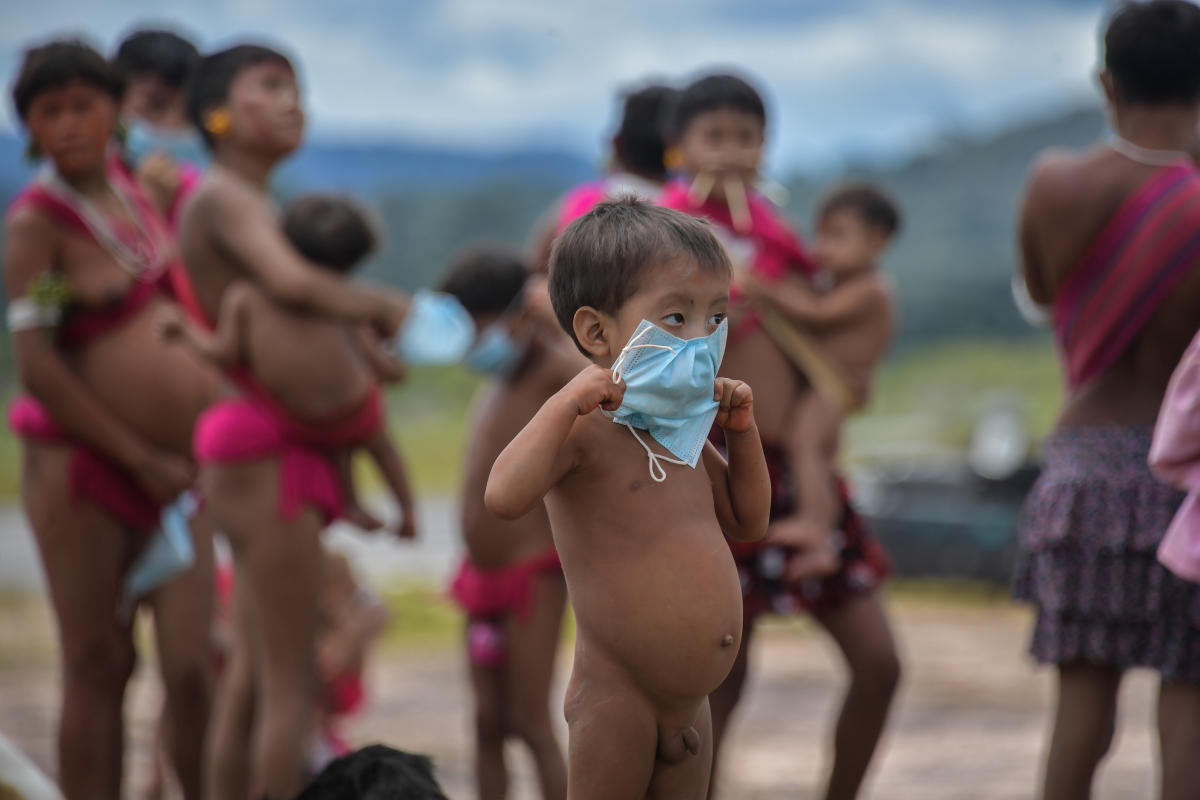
[279, 568]
[723, 701]
[612, 740]
[284, 567]
[861, 630]
[84, 554]
[491, 772]
[532, 645]
[1179, 739]
[183, 611]
[1084, 724]
[229, 765]
[687, 779]
[811, 447]
[355, 514]
[395, 474]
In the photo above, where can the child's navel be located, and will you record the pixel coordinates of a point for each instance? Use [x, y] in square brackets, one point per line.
[728, 640]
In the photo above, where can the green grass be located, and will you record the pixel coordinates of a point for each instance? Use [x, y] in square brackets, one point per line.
[933, 396]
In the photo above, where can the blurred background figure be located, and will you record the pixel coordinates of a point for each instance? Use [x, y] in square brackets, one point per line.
[160, 143]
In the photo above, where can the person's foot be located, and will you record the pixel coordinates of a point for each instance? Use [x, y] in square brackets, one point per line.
[360, 518]
[813, 554]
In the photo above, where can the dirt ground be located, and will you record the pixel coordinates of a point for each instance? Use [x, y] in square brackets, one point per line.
[970, 720]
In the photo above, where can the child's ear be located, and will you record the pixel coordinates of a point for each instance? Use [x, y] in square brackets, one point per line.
[1106, 83]
[591, 331]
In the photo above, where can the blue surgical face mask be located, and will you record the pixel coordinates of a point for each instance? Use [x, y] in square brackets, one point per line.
[142, 139]
[497, 352]
[168, 553]
[437, 330]
[669, 391]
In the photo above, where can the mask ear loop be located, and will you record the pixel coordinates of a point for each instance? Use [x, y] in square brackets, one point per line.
[657, 472]
[618, 367]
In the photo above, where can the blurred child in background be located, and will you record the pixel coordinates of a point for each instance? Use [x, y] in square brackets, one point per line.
[510, 585]
[637, 165]
[719, 129]
[160, 144]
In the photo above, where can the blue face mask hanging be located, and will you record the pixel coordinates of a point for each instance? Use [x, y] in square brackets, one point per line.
[168, 553]
[437, 330]
[669, 391]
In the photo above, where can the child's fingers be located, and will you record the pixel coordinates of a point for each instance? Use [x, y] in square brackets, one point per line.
[741, 395]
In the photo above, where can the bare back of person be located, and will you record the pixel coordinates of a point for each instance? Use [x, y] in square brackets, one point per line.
[213, 267]
[502, 412]
[1071, 198]
[311, 364]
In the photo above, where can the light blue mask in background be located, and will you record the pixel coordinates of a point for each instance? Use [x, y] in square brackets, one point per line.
[669, 391]
[168, 553]
[497, 352]
[142, 139]
[437, 330]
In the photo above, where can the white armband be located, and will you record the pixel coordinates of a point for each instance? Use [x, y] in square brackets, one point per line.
[25, 313]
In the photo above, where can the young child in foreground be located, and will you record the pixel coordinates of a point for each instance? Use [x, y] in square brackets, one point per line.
[638, 516]
[320, 375]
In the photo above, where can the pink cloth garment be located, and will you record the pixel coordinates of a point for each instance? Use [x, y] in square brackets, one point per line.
[1148, 246]
[1175, 458]
[243, 429]
[93, 477]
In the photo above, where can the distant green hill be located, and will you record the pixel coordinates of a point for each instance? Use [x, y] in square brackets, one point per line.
[955, 257]
[952, 263]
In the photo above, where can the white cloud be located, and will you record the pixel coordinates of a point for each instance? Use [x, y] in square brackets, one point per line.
[483, 73]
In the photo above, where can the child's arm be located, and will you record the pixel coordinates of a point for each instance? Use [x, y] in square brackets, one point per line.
[243, 226]
[224, 345]
[793, 298]
[537, 459]
[395, 474]
[387, 368]
[741, 487]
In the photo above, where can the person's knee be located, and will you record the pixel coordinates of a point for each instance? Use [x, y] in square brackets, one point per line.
[490, 724]
[878, 671]
[103, 662]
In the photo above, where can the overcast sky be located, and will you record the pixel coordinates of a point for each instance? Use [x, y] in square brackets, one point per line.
[842, 76]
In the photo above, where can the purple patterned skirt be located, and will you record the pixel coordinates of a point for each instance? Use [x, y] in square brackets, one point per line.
[1089, 534]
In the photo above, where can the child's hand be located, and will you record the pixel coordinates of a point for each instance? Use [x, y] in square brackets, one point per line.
[169, 325]
[736, 413]
[594, 388]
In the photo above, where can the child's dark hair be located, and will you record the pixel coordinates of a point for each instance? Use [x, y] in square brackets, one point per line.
[163, 54]
[330, 230]
[714, 92]
[58, 63]
[1151, 51]
[486, 279]
[215, 74]
[641, 139]
[872, 205]
[602, 257]
[376, 772]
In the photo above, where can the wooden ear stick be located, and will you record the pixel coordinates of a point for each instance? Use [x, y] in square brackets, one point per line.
[739, 207]
[701, 187]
